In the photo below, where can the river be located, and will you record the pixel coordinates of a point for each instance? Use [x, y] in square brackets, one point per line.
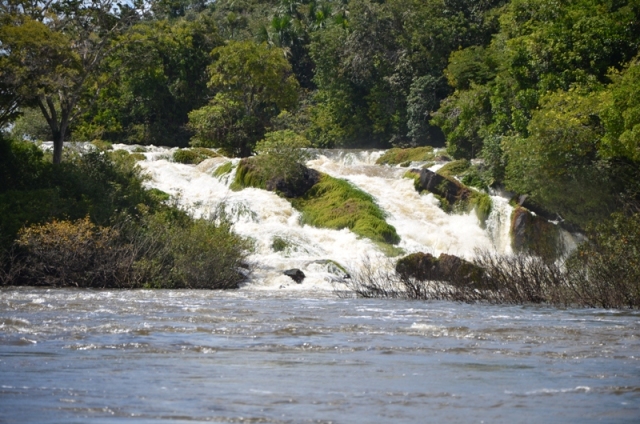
[258, 356]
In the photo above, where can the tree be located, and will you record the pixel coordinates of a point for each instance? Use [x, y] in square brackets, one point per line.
[161, 75]
[51, 56]
[253, 83]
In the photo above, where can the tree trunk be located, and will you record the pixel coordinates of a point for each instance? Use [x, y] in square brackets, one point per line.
[58, 141]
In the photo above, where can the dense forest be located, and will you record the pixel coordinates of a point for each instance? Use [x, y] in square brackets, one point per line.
[543, 96]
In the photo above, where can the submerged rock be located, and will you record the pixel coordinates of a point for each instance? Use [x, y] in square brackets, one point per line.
[295, 274]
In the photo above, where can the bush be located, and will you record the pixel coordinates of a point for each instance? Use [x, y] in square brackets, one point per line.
[65, 253]
[398, 156]
[605, 270]
[195, 254]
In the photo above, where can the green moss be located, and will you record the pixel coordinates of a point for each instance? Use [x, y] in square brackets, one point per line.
[334, 203]
[193, 156]
[397, 156]
[455, 168]
[140, 149]
[223, 169]
[249, 174]
[482, 204]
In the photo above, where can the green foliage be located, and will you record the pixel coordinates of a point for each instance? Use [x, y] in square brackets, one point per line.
[622, 115]
[254, 84]
[462, 117]
[35, 191]
[155, 78]
[606, 268]
[281, 155]
[558, 164]
[397, 155]
[193, 156]
[31, 125]
[336, 204]
[199, 254]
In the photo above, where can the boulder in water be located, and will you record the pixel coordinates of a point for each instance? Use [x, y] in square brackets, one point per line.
[295, 274]
[450, 190]
[533, 234]
[294, 187]
[449, 268]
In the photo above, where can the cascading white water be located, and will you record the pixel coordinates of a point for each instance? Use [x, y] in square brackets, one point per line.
[266, 217]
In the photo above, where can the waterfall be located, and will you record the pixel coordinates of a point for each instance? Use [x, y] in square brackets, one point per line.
[281, 242]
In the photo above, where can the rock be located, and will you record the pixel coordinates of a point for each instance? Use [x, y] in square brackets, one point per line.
[451, 190]
[449, 268]
[421, 266]
[296, 187]
[533, 234]
[295, 274]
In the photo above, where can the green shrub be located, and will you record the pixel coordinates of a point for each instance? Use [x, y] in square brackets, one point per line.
[398, 156]
[334, 203]
[605, 269]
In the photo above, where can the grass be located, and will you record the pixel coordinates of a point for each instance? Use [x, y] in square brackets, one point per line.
[336, 204]
[404, 157]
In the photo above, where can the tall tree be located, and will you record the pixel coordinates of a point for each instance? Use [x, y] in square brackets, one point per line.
[52, 52]
[252, 84]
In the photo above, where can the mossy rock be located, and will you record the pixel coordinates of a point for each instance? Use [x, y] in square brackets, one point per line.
[248, 174]
[278, 244]
[450, 268]
[193, 156]
[453, 195]
[404, 157]
[454, 169]
[336, 204]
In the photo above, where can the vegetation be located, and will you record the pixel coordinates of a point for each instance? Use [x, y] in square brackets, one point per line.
[89, 222]
[334, 203]
[193, 156]
[542, 96]
[397, 156]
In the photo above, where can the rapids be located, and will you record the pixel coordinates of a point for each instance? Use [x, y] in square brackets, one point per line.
[264, 216]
